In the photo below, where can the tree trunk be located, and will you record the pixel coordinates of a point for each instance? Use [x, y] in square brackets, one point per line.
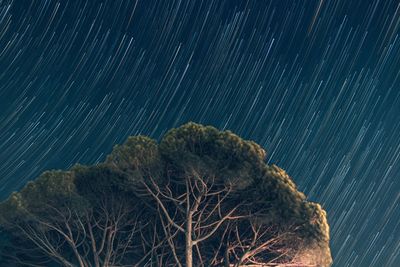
[189, 241]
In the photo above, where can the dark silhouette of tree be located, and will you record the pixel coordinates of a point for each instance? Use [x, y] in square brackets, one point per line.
[199, 197]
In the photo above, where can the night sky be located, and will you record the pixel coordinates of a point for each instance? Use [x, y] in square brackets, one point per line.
[316, 83]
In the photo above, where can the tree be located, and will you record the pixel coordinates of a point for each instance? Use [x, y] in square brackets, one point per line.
[199, 197]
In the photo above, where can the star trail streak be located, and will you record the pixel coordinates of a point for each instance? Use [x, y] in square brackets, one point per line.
[317, 83]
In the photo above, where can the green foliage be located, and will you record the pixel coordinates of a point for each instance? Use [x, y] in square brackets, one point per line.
[138, 153]
[229, 157]
[196, 142]
[94, 181]
[52, 187]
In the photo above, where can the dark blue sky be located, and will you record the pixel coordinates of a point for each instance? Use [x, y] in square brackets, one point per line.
[316, 83]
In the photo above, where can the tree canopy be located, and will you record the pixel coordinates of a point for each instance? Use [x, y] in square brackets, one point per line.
[198, 197]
